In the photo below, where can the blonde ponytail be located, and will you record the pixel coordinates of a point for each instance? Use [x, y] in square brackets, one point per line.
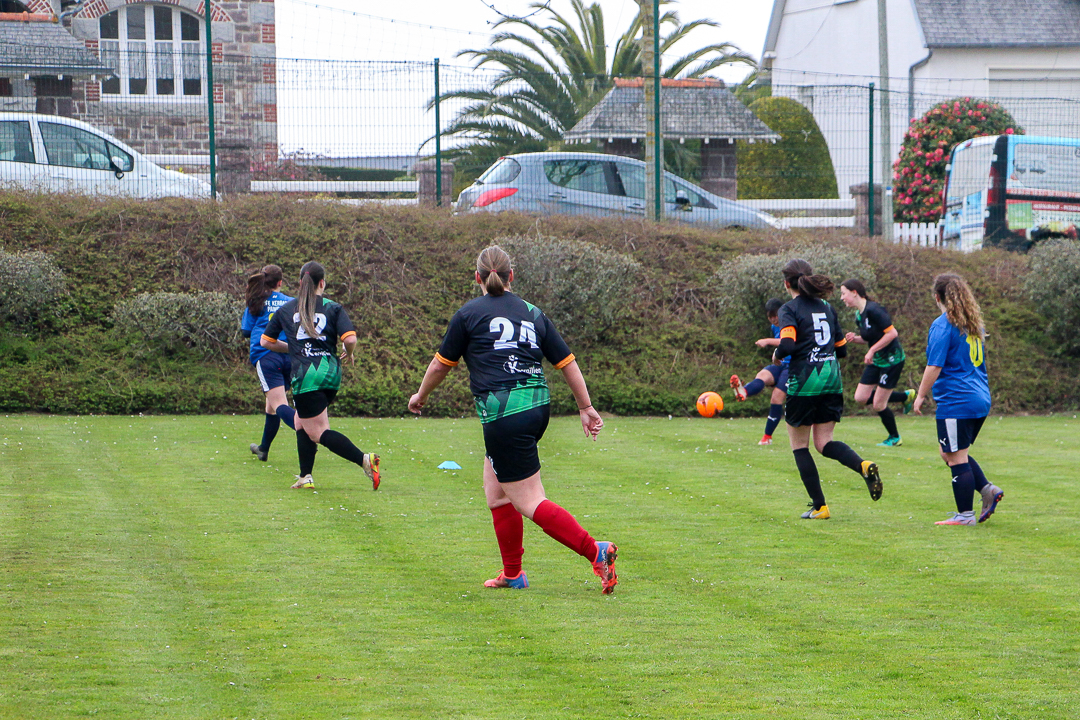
[960, 305]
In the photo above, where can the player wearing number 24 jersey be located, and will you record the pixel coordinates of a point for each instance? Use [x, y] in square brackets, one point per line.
[503, 340]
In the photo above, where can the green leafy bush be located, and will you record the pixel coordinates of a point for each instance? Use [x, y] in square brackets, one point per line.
[583, 288]
[741, 286]
[207, 322]
[796, 166]
[32, 290]
[1053, 287]
[919, 172]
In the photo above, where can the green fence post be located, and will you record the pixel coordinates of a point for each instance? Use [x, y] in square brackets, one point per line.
[438, 142]
[870, 187]
[210, 98]
[658, 153]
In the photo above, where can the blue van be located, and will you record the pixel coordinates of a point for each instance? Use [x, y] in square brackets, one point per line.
[1011, 191]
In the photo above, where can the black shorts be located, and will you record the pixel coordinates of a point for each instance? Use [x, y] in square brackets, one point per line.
[886, 377]
[954, 434]
[779, 375]
[801, 410]
[311, 404]
[510, 443]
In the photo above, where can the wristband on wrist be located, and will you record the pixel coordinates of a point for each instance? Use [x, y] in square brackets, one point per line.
[584, 408]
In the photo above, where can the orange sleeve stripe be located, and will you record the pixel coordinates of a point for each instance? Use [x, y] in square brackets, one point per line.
[889, 330]
[349, 334]
[840, 343]
[269, 339]
[566, 361]
[788, 332]
[444, 361]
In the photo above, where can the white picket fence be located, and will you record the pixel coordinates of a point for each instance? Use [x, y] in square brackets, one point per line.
[841, 214]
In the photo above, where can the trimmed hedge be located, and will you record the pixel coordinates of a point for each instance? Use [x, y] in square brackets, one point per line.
[796, 166]
[402, 271]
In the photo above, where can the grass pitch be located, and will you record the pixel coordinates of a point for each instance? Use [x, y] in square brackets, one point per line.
[152, 568]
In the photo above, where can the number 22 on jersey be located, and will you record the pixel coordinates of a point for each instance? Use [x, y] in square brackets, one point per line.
[320, 325]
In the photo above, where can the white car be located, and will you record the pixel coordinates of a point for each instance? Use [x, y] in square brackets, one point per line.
[48, 153]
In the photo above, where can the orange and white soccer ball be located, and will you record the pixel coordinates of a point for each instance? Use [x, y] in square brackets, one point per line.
[709, 404]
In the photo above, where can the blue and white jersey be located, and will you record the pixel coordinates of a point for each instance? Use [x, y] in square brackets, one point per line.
[962, 389]
[776, 335]
[253, 326]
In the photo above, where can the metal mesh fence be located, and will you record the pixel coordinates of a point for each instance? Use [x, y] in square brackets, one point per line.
[367, 131]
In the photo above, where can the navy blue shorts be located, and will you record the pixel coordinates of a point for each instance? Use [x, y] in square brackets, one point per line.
[779, 375]
[274, 370]
[954, 434]
[510, 443]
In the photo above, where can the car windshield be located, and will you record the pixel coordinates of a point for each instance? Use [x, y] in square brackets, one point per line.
[504, 171]
[970, 170]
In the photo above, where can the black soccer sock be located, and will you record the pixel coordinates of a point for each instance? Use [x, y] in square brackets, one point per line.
[271, 423]
[809, 474]
[305, 449]
[287, 414]
[889, 421]
[897, 396]
[754, 387]
[340, 445]
[776, 414]
[841, 453]
[963, 486]
[978, 474]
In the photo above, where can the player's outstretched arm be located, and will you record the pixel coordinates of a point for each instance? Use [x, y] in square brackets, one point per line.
[591, 422]
[435, 374]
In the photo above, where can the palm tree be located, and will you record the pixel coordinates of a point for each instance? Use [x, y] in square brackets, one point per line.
[548, 78]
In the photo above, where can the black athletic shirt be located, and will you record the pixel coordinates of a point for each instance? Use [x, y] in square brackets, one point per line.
[813, 327]
[315, 364]
[503, 340]
[874, 322]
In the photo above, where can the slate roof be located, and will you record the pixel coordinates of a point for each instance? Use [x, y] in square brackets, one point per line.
[999, 23]
[689, 109]
[45, 48]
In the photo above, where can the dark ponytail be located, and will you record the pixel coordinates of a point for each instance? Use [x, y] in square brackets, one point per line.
[307, 299]
[259, 287]
[798, 275]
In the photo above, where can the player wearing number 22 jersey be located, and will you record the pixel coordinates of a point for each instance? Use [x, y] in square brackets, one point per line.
[315, 364]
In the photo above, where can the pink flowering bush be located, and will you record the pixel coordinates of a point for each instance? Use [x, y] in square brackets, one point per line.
[919, 172]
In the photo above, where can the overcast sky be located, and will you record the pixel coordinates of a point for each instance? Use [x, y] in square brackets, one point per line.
[424, 29]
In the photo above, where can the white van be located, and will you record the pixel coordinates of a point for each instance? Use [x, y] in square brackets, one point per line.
[48, 153]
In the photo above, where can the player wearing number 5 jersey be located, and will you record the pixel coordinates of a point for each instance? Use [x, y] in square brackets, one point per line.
[503, 340]
[810, 334]
[956, 374]
[313, 325]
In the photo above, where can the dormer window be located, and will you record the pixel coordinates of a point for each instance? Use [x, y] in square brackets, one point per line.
[156, 50]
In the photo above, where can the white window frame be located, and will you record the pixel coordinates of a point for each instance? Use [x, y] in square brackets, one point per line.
[123, 47]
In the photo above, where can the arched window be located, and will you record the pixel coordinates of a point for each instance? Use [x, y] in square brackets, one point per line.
[154, 49]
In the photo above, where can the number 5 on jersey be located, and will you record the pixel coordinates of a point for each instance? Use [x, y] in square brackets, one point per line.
[822, 331]
[505, 328]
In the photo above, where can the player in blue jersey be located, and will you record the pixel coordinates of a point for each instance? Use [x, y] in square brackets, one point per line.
[884, 360]
[263, 298]
[956, 375]
[503, 340]
[312, 326]
[774, 376]
[810, 335]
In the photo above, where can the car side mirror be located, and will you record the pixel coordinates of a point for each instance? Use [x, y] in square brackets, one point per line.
[117, 165]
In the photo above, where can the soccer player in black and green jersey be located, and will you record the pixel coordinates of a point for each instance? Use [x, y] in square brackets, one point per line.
[503, 340]
[313, 326]
[884, 360]
[810, 334]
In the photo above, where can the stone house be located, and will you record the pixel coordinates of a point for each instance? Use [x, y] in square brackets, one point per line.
[155, 97]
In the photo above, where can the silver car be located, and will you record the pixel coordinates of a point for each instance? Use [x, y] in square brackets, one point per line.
[573, 183]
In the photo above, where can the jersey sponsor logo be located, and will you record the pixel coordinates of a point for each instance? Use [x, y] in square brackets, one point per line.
[515, 365]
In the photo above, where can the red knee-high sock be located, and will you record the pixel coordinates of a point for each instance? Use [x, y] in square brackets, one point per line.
[562, 526]
[509, 531]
